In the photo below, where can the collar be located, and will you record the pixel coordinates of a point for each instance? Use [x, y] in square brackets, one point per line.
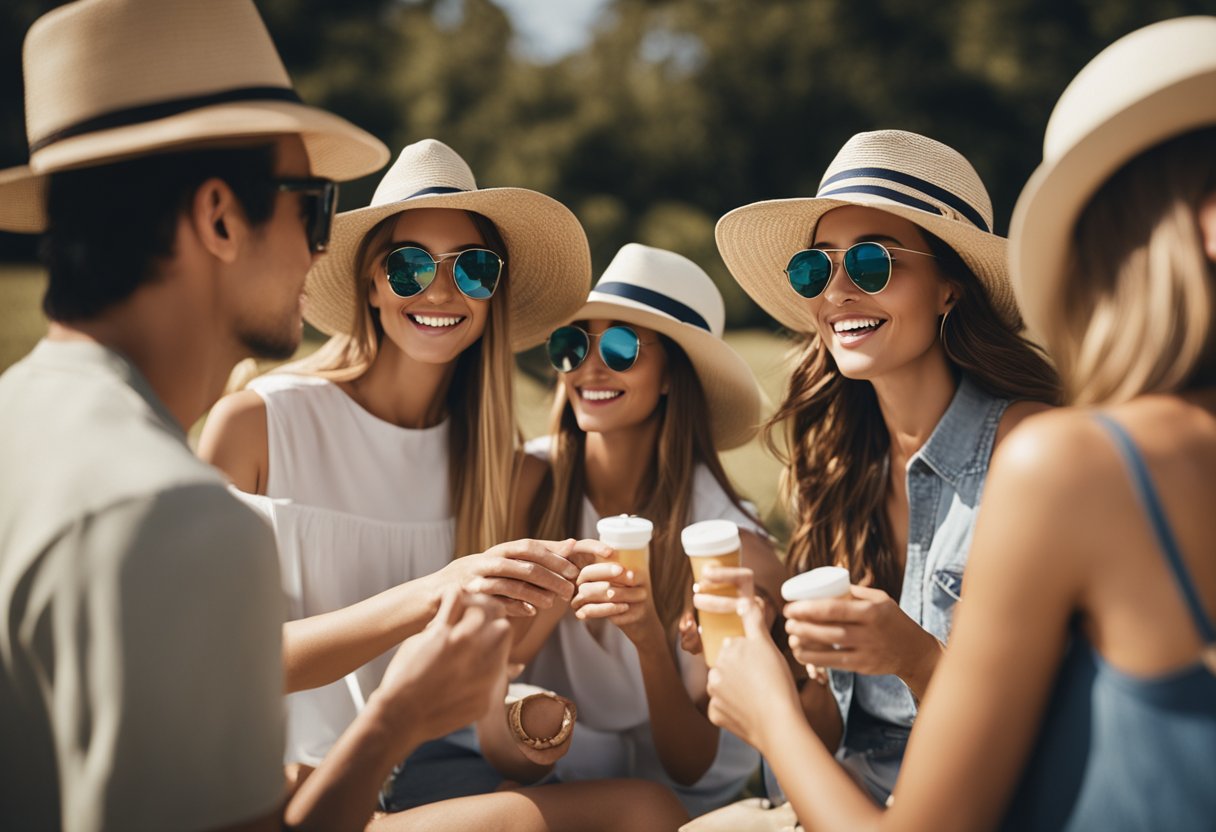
[90, 356]
[956, 446]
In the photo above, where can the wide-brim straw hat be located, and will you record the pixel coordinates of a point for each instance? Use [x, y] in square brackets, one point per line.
[906, 174]
[548, 258]
[1147, 87]
[107, 80]
[672, 295]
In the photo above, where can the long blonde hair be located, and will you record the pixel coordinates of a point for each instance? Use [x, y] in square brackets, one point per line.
[1135, 312]
[830, 434]
[666, 495]
[482, 437]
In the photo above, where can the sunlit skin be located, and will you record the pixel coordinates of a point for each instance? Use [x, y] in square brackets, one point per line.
[266, 300]
[908, 309]
[437, 231]
[639, 389]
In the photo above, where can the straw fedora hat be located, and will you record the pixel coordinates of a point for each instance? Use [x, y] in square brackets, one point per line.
[906, 174]
[107, 80]
[1152, 85]
[548, 259]
[672, 295]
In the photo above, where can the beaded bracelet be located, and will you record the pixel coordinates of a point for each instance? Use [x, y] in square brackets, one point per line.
[514, 719]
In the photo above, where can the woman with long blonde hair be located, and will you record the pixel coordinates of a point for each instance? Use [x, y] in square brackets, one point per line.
[649, 394]
[1079, 689]
[386, 459]
[913, 371]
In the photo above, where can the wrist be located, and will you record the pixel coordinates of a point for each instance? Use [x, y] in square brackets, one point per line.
[647, 633]
[381, 738]
[921, 664]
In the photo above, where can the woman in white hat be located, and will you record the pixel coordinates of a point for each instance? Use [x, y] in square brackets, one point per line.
[1091, 594]
[649, 393]
[389, 455]
[913, 371]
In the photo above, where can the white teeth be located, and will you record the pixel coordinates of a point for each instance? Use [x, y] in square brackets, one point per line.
[855, 323]
[435, 320]
[601, 395]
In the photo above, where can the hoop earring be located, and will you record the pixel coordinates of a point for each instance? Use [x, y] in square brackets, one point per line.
[941, 330]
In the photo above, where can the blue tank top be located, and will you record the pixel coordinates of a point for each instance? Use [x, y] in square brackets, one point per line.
[1119, 752]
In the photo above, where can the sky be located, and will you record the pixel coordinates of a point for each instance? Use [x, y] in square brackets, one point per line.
[550, 29]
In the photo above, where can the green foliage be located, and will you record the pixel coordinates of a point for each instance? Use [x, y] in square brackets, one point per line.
[679, 110]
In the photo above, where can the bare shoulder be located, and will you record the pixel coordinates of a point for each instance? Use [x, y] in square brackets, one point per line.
[236, 441]
[1016, 413]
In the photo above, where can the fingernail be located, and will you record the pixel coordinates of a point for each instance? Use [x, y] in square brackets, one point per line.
[611, 593]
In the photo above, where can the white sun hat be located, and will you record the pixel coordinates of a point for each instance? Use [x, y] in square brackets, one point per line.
[906, 174]
[548, 259]
[107, 80]
[1152, 85]
[672, 295]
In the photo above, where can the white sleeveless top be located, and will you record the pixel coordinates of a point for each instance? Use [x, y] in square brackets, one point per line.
[602, 674]
[358, 505]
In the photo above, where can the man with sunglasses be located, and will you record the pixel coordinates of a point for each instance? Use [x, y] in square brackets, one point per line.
[185, 192]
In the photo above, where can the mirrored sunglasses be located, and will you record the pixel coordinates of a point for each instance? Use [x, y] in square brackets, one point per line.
[569, 346]
[867, 264]
[411, 269]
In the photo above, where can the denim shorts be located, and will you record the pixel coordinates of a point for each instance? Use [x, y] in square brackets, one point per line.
[873, 756]
[438, 770]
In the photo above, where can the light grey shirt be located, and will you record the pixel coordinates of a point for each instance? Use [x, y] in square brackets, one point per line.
[141, 681]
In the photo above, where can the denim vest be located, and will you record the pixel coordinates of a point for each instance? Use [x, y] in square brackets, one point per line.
[945, 481]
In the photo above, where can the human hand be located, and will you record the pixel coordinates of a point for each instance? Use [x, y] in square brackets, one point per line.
[690, 636]
[588, 551]
[867, 633]
[523, 574]
[447, 675]
[751, 691]
[608, 590]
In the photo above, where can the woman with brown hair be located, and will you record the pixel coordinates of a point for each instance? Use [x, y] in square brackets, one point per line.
[1079, 690]
[913, 371]
[649, 393]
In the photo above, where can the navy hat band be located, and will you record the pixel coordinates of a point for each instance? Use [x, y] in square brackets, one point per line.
[656, 300]
[907, 180]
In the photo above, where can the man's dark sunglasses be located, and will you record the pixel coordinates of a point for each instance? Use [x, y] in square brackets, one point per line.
[320, 202]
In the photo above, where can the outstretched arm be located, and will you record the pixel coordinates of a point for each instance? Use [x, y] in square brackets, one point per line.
[983, 708]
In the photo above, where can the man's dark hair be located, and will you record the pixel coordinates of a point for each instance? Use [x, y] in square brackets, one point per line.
[109, 225]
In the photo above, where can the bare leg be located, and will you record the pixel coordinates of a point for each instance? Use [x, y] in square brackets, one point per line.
[592, 806]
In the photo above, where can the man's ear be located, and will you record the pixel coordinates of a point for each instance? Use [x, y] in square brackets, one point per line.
[217, 220]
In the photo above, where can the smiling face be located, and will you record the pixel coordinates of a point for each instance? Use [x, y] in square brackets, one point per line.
[436, 325]
[604, 400]
[872, 335]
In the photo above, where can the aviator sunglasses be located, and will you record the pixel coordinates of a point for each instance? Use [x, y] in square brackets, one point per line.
[318, 204]
[868, 265]
[569, 346]
[411, 269]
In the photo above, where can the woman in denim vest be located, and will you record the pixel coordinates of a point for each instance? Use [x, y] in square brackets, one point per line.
[1090, 619]
[912, 372]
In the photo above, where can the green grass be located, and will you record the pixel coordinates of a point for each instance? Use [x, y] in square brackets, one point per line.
[753, 471]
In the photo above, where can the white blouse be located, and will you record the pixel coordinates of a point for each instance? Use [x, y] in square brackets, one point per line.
[358, 505]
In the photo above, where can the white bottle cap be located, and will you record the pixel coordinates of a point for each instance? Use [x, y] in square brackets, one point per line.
[709, 538]
[625, 531]
[822, 582]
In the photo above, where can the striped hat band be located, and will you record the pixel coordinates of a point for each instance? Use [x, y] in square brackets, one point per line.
[905, 189]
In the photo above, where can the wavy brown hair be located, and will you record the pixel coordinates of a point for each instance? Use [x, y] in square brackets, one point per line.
[483, 438]
[830, 434]
[666, 495]
[1135, 314]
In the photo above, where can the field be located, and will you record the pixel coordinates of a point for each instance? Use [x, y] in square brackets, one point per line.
[753, 471]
